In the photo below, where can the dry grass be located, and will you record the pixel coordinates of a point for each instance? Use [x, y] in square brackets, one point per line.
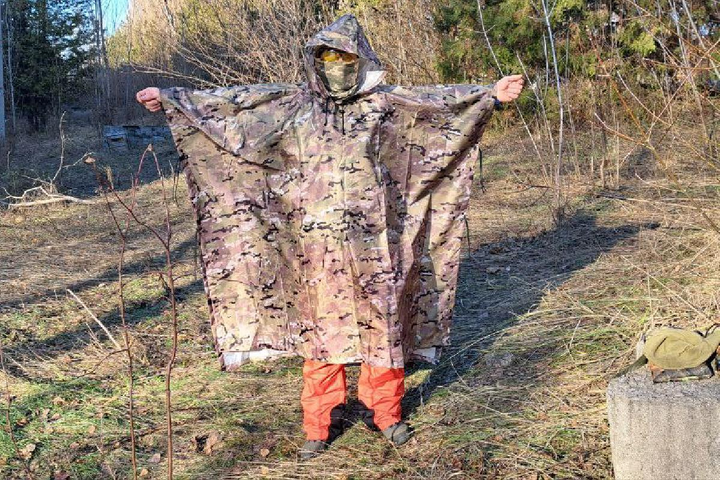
[544, 316]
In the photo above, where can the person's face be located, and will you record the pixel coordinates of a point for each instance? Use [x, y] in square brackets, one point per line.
[338, 70]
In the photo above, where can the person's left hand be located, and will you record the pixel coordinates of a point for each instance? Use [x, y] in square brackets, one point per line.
[508, 88]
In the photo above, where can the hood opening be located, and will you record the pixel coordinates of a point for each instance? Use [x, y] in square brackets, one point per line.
[344, 34]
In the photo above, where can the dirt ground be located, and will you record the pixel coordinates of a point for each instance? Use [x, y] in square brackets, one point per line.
[546, 313]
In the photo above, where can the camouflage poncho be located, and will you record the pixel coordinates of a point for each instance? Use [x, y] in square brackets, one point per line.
[330, 228]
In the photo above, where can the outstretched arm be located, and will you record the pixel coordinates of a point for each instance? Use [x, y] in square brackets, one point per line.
[245, 120]
[432, 129]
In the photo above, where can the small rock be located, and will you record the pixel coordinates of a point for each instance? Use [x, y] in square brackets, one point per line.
[499, 360]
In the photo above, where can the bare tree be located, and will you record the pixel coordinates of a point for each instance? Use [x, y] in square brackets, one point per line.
[2, 83]
[559, 201]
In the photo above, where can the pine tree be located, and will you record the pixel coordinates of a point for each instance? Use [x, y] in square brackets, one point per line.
[53, 45]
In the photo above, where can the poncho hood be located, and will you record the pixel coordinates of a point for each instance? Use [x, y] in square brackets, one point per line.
[344, 34]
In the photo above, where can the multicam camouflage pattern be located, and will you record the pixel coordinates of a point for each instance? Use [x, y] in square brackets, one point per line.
[331, 228]
[339, 77]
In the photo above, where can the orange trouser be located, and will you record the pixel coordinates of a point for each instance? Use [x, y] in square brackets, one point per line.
[323, 396]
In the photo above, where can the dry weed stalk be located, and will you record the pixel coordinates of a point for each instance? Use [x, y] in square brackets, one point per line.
[165, 239]
[122, 231]
[97, 320]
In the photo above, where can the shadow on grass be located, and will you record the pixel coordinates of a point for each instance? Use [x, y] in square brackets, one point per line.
[184, 250]
[136, 312]
[499, 282]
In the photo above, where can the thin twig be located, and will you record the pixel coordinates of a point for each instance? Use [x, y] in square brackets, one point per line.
[165, 239]
[126, 335]
[62, 150]
[92, 315]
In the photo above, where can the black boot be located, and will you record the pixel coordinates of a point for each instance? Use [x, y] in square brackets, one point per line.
[398, 433]
[311, 449]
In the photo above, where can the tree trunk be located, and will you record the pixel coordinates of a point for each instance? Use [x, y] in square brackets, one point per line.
[10, 76]
[102, 73]
[2, 83]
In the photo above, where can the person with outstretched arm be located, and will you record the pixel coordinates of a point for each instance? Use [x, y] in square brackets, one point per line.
[330, 215]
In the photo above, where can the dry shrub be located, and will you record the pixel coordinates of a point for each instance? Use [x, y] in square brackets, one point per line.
[230, 42]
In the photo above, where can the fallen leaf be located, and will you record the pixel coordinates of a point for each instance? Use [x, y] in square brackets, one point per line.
[264, 470]
[92, 429]
[155, 458]
[61, 476]
[75, 445]
[144, 472]
[55, 416]
[58, 401]
[22, 422]
[213, 443]
[44, 414]
[27, 451]
[264, 452]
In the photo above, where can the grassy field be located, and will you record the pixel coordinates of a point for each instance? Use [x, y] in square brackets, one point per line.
[546, 313]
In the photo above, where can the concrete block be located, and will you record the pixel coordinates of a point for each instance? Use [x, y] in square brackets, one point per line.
[664, 431]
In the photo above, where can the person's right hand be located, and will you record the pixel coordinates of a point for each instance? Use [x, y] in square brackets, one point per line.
[150, 98]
